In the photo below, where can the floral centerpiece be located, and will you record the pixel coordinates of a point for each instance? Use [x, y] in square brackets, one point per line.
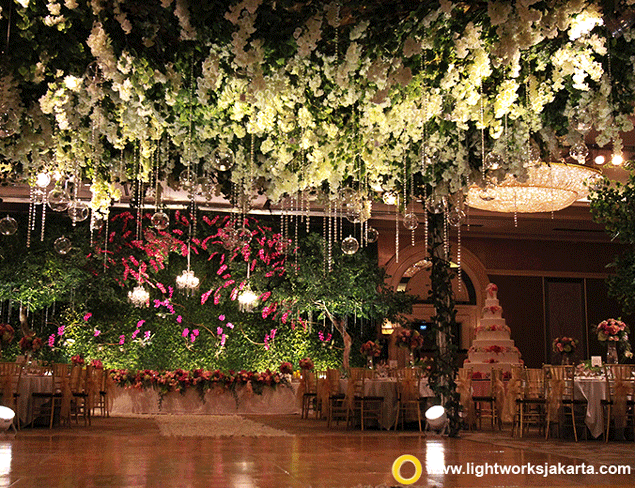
[97, 364]
[565, 346]
[30, 344]
[77, 360]
[306, 363]
[370, 349]
[6, 333]
[614, 332]
[286, 368]
[408, 338]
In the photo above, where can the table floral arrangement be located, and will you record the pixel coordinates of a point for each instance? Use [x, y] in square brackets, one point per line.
[306, 363]
[614, 332]
[97, 364]
[370, 349]
[286, 368]
[6, 333]
[77, 360]
[565, 346]
[584, 368]
[30, 344]
[408, 338]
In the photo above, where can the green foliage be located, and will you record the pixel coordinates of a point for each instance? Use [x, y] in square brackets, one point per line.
[613, 205]
[442, 377]
[89, 313]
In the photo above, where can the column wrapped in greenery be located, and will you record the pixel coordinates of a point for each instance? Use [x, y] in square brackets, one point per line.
[442, 378]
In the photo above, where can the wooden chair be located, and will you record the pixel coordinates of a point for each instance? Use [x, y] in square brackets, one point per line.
[561, 401]
[309, 397]
[531, 403]
[45, 404]
[362, 407]
[82, 387]
[10, 378]
[336, 404]
[619, 405]
[409, 399]
[464, 389]
[486, 406]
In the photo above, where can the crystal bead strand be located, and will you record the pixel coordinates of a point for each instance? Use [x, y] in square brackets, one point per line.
[31, 223]
[397, 230]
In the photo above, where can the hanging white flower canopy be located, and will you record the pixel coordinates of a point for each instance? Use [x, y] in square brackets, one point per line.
[277, 97]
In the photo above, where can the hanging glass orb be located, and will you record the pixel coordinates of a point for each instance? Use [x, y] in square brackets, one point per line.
[372, 235]
[436, 204]
[139, 296]
[160, 220]
[78, 211]
[389, 198]
[62, 245]
[222, 159]
[203, 186]
[581, 121]
[493, 161]
[410, 221]
[531, 155]
[39, 196]
[357, 209]
[8, 226]
[456, 217]
[229, 238]
[9, 122]
[243, 236]
[43, 180]
[96, 224]
[579, 151]
[58, 200]
[187, 179]
[350, 245]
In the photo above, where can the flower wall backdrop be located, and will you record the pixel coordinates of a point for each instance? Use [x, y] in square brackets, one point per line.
[307, 95]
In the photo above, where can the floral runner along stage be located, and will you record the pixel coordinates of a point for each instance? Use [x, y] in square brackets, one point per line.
[202, 392]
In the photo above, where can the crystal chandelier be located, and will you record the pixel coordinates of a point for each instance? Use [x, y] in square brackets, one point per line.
[188, 280]
[139, 296]
[247, 300]
[547, 188]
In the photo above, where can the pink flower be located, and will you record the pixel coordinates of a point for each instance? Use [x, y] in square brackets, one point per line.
[185, 332]
[122, 339]
[223, 339]
[219, 330]
[97, 332]
[179, 319]
[135, 333]
[140, 323]
[87, 316]
[51, 340]
[230, 325]
[60, 330]
[192, 338]
[146, 334]
[221, 317]
[195, 332]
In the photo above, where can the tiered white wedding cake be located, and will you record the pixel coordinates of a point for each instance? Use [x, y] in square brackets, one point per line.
[492, 346]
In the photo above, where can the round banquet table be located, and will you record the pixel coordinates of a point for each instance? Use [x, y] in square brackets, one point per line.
[30, 383]
[386, 388]
[593, 390]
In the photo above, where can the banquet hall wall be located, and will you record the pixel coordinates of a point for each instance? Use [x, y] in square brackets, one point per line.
[546, 287]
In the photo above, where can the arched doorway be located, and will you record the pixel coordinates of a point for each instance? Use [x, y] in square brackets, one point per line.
[412, 275]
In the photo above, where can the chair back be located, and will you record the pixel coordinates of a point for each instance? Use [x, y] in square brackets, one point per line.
[10, 378]
[560, 381]
[534, 383]
[309, 380]
[620, 382]
[408, 384]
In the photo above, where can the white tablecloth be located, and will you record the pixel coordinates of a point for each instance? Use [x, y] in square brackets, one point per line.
[594, 391]
[281, 400]
[30, 384]
[387, 388]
